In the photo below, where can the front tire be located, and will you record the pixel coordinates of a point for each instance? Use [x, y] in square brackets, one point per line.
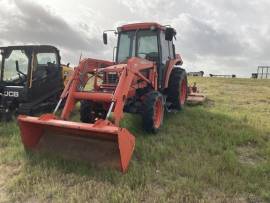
[86, 115]
[153, 112]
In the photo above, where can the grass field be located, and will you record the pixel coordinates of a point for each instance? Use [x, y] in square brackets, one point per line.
[218, 152]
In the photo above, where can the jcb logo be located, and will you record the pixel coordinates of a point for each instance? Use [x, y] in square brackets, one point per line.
[10, 94]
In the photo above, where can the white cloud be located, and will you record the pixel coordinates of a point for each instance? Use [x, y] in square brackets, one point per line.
[225, 36]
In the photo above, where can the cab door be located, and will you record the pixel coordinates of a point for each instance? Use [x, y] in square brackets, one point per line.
[167, 53]
[46, 75]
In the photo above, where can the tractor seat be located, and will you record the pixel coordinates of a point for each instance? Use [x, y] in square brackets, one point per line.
[152, 56]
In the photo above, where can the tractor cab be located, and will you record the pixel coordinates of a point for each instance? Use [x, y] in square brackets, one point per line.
[27, 74]
[149, 41]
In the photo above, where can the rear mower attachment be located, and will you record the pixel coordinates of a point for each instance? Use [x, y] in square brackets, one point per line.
[194, 96]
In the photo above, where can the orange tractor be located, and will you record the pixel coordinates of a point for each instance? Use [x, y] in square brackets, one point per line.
[145, 78]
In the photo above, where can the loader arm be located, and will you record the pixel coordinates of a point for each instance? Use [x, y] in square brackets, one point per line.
[128, 72]
[78, 79]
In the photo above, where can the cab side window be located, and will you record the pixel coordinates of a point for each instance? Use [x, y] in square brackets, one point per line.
[167, 49]
[41, 63]
[45, 58]
[171, 49]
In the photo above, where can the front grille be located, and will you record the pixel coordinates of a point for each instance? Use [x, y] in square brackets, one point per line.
[112, 78]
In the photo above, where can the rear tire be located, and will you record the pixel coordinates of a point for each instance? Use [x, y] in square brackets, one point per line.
[177, 88]
[153, 111]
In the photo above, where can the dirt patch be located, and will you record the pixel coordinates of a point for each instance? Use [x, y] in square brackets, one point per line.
[248, 155]
[7, 171]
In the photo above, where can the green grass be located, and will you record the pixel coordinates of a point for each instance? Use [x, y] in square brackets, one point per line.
[216, 152]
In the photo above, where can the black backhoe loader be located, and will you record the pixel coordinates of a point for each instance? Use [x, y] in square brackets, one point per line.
[31, 80]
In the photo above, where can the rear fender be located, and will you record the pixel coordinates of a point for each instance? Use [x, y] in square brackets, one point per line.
[173, 62]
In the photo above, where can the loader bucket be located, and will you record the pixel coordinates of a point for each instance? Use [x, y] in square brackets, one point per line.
[101, 142]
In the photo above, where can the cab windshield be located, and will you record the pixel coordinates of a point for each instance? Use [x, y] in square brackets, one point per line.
[137, 43]
[15, 66]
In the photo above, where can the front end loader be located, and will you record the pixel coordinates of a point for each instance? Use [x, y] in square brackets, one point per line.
[145, 79]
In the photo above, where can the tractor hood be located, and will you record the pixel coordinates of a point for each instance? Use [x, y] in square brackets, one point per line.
[132, 62]
[114, 68]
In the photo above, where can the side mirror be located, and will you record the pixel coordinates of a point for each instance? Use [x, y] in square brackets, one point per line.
[169, 33]
[105, 38]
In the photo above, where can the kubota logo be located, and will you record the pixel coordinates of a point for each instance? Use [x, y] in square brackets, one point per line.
[10, 94]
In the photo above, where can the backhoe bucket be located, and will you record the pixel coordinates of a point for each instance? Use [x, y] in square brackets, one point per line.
[101, 142]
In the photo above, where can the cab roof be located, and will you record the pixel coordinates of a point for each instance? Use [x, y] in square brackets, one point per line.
[30, 47]
[143, 26]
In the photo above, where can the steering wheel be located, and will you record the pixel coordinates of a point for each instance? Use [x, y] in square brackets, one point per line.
[142, 53]
[151, 56]
[22, 76]
[124, 60]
